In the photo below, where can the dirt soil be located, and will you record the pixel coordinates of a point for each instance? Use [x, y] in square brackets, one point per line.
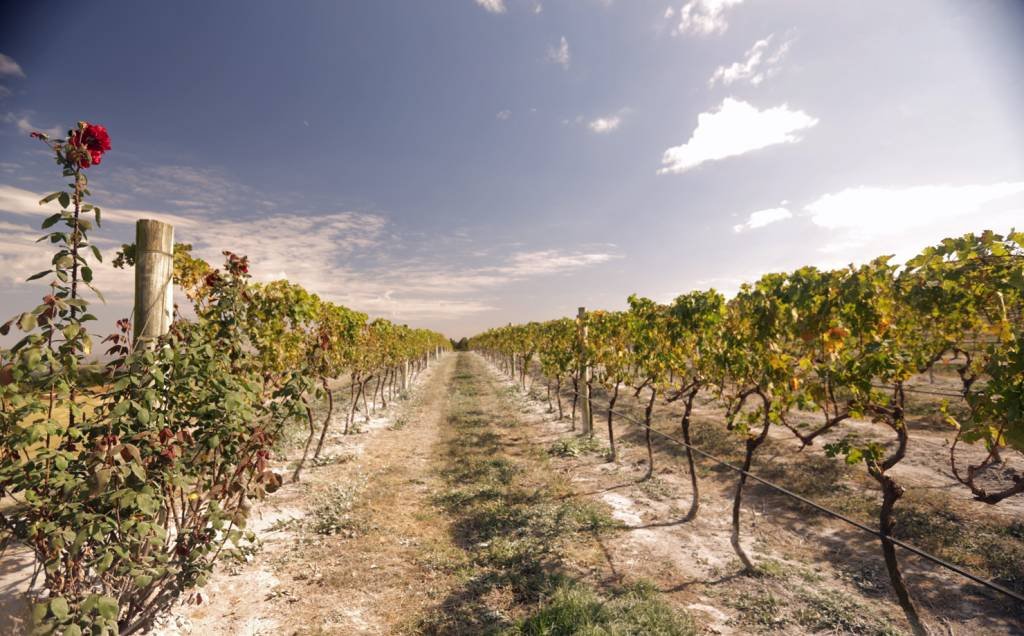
[361, 545]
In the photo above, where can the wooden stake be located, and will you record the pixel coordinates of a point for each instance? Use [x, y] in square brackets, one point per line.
[586, 416]
[154, 268]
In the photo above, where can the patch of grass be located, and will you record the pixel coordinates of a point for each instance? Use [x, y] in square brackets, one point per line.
[495, 470]
[578, 609]
[657, 489]
[837, 613]
[332, 510]
[574, 446]
[761, 609]
[770, 568]
[330, 460]
[515, 520]
[398, 424]
[811, 475]
[993, 548]
[713, 438]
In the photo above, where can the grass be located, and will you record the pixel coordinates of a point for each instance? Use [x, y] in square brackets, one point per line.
[987, 546]
[657, 489]
[398, 424]
[835, 613]
[333, 510]
[581, 610]
[817, 611]
[761, 609]
[575, 446]
[516, 521]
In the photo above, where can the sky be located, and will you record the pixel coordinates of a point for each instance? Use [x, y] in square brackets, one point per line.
[462, 164]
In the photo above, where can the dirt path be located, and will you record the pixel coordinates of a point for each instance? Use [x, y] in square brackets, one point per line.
[342, 551]
[450, 519]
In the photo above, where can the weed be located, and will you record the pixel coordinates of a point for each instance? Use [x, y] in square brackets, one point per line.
[578, 609]
[836, 613]
[285, 525]
[772, 569]
[574, 446]
[655, 488]
[762, 609]
[332, 510]
[329, 460]
[398, 424]
[989, 546]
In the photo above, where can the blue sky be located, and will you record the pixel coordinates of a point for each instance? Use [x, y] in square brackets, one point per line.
[466, 163]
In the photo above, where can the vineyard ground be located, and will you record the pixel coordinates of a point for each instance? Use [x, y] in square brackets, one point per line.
[470, 508]
[414, 553]
[817, 574]
[449, 519]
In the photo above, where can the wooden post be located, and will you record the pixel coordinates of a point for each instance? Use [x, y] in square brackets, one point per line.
[154, 268]
[586, 416]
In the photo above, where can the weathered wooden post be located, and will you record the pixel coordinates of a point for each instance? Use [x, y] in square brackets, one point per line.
[586, 416]
[154, 269]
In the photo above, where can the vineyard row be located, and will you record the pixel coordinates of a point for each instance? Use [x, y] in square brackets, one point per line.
[841, 345]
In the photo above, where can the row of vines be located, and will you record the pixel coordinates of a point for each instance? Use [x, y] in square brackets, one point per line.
[840, 344]
[129, 471]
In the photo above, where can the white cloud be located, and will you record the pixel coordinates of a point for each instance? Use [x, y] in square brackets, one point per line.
[702, 17]
[20, 255]
[24, 125]
[735, 128]
[504, 115]
[494, 6]
[889, 210]
[525, 264]
[18, 201]
[758, 64]
[762, 218]
[538, 8]
[560, 54]
[864, 222]
[605, 124]
[9, 67]
[669, 12]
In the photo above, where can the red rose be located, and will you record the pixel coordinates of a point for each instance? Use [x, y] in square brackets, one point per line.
[94, 139]
[213, 279]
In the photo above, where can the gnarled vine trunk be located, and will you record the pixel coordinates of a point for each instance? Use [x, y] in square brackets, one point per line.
[894, 416]
[613, 454]
[751, 447]
[647, 433]
[327, 418]
[690, 461]
[309, 439]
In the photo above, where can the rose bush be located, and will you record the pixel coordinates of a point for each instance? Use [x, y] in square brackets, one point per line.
[128, 479]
